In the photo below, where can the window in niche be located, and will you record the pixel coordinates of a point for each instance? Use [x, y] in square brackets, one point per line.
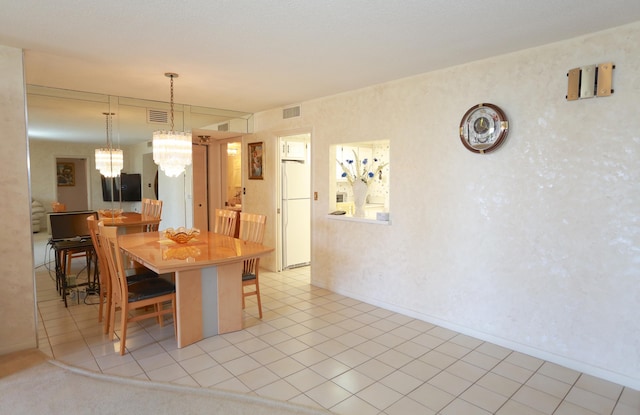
[351, 163]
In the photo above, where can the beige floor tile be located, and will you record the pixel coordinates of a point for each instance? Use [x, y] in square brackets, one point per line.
[513, 372]
[280, 390]
[379, 395]
[431, 397]
[558, 372]
[305, 379]
[590, 400]
[167, 373]
[354, 405]
[328, 394]
[549, 385]
[450, 383]
[536, 399]
[330, 368]
[353, 381]
[401, 382]
[484, 398]
[499, 384]
[258, 378]
[285, 367]
[212, 376]
[406, 406]
[460, 406]
[516, 408]
[599, 386]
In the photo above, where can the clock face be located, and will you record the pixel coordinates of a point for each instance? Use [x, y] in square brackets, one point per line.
[483, 128]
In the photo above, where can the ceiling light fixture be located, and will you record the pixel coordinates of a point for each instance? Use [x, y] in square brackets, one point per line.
[109, 160]
[171, 149]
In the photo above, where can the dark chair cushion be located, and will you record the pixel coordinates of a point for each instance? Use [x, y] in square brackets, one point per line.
[136, 275]
[248, 277]
[149, 288]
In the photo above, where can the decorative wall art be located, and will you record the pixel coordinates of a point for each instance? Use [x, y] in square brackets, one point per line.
[256, 161]
[66, 174]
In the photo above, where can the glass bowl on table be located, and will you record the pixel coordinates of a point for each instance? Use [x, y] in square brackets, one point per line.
[181, 235]
[110, 213]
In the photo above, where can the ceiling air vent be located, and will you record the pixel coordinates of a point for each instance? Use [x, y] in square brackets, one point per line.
[157, 116]
[223, 127]
[291, 112]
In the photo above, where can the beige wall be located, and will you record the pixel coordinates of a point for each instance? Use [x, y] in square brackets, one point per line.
[17, 296]
[534, 246]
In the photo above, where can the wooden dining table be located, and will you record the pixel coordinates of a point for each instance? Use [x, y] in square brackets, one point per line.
[130, 222]
[208, 278]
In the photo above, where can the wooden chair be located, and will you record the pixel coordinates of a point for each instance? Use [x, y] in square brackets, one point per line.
[69, 254]
[225, 222]
[151, 208]
[105, 294]
[252, 227]
[136, 296]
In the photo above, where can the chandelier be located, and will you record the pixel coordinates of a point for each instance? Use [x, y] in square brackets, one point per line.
[171, 149]
[109, 160]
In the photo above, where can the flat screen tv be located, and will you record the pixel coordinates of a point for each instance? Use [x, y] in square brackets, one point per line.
[129, 185]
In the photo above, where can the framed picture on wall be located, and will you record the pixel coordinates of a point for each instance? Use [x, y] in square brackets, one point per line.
[66, 174]
[256, 160]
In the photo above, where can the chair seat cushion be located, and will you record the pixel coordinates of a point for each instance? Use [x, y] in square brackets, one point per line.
[151, 287]
[248, 277]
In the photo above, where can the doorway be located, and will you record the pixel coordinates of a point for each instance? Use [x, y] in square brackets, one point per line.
[71, 183]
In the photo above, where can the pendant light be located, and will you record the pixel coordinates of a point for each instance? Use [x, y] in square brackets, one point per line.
[171, 149]
[109, 160]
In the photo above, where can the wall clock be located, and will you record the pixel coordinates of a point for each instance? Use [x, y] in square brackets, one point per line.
[483, 128]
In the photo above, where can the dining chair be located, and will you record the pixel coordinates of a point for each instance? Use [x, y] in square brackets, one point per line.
[69, 254]
[133, 299]
[252, 226]
[225, 222]
[151, 208]
[133, 275]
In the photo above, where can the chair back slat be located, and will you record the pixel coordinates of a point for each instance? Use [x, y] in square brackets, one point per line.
[225, 222]
[252, 227]
[108, 236]
[151, 208]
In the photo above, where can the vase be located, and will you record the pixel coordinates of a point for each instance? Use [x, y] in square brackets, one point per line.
[360, 191]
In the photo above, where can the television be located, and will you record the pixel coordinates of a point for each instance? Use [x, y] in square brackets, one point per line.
[129, 185]
[70, 225]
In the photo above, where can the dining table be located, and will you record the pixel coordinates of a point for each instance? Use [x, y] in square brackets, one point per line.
[130, 222]
[207, 274]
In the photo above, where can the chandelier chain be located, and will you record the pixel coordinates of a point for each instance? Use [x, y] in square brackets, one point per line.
[171, 77]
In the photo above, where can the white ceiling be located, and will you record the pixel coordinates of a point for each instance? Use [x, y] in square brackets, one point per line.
[252, 55]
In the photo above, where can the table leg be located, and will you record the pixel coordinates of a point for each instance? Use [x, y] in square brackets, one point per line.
[208, 302]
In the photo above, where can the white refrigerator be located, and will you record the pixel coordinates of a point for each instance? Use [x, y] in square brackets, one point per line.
[296, 214]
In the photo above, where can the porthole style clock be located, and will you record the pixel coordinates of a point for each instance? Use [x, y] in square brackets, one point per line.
[483, 128]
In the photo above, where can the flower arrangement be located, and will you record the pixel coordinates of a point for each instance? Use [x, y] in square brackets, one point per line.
[354, 169]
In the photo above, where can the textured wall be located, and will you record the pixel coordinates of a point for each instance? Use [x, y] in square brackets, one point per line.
[535, 246]
[17, 296]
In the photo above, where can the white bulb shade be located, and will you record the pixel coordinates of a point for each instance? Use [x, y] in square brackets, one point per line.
[172, 151]
[109, 161]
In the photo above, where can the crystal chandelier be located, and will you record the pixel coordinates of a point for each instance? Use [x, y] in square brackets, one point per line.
[109, 160]
[171, 149]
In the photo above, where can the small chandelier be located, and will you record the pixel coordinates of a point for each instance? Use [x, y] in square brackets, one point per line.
[171, 149]
[109, 160]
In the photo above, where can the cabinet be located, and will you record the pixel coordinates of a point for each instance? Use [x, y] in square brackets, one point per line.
[293, 150]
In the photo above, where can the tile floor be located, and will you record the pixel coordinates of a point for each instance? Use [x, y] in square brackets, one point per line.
[322, 349]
